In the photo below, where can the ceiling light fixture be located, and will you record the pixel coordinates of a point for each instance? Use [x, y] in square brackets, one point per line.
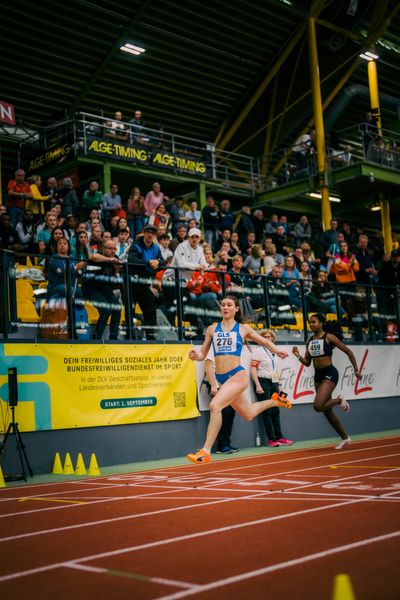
[368, 55]
[318, 196]
[132, 49]
[376, 207]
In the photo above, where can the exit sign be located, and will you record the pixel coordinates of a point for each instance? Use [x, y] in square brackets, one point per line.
[7, 114]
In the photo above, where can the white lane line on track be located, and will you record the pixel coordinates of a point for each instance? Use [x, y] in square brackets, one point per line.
[177, 539]
[279, 566]
[160, 580]
[167, 510]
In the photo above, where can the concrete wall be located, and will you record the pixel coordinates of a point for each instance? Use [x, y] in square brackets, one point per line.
[150, 441]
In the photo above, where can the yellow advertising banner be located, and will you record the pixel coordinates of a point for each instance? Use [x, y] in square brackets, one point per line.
[63, 386]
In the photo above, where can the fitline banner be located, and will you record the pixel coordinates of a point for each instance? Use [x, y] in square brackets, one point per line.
[379, 366]
[63, 386]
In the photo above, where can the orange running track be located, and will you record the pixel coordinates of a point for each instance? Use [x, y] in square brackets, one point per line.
[268, 526]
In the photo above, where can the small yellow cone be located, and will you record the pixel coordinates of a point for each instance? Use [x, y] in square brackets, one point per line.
[93, 466]
[57, 466]
[342, 588]
[2, 482]
[68, 468]
[80, 468]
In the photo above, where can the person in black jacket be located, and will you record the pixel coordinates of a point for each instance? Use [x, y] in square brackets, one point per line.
[144, 259]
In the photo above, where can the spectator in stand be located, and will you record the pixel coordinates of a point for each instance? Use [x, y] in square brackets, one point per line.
[68, 198]
[26, 231]
[272, 225]
[164, 241]
[308, 255]
[9, 239]
[226, 216]
[211, 218]
[248, 244]
[269, 260]
[52, 191]
[93, 219]
[369, 131]
[333, 251]
[56, 210]
[345, 266]
[291, 277]
[367, 269]
[37, 202]
[116, 128]
[112, 203]
[98, 288]
[254, 261]
[303, 151]
[160, 218]
[153, 199]
[80, 249]
[302, 230]
[234, 242]
[359, 230]
[389, 275]
[3, 209]
[106, 235]
[138, 127]
[193, 213]
[181, 235]
[136, 212]
[305, 275]
[259, 224]
[122, 245]
[57, 268]
[279, 301]
[225, 236]
[206, 288]
[144, 260]
[95, 239]
[50, 223]
[281, 241]
[240, 277]
[329, 236]
[348, 234]
[51, 245]
[18, 192]
[92, 198]
[283, 221]
[178, 215]
[122, 223]
[322, 297]
[244, 226]
[69, 226]
[298, 258]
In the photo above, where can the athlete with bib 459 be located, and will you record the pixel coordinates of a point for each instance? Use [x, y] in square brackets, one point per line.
[228, 337]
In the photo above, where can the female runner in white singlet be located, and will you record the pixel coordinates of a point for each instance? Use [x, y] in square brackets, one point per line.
[228, 337]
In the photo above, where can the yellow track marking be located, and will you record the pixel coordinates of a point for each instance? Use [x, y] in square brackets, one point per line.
[51, 500]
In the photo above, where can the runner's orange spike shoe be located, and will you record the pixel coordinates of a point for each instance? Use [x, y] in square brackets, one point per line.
[200, 457]
[281, 399]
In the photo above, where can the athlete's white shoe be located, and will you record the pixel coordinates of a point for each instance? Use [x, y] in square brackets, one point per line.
[344, 405]
[343, 443]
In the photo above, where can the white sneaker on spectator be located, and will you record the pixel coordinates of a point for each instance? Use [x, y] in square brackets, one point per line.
[344, 405]
[343, 443]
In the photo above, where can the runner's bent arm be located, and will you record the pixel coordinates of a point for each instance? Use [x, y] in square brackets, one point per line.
[332, 339]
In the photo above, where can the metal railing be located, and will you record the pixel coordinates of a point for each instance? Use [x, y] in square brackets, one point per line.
[358, 143]
[38, 302]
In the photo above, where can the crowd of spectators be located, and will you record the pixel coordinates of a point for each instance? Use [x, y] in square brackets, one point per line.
[215, 248]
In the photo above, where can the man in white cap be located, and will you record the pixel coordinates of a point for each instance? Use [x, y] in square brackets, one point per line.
[188, 257]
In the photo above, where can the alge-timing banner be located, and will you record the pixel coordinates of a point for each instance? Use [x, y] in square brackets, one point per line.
[63, 386]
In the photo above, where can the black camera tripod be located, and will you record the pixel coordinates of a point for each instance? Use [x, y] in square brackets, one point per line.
[13, 428]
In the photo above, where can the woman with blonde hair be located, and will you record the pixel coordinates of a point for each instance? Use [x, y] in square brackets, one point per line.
[265, 375]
